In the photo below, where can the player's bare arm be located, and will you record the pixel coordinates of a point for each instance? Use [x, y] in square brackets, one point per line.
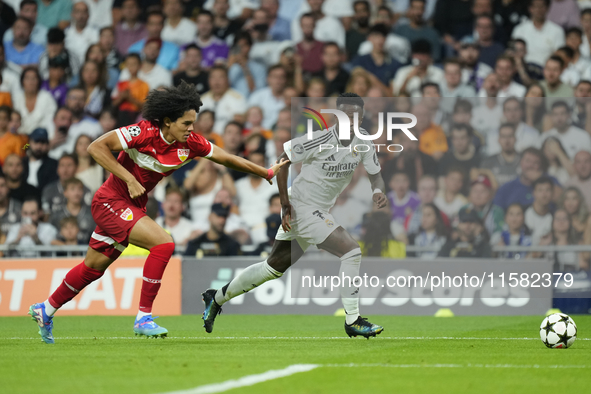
[101, 149]
[286, 208]
[222, 157]
[377, 183]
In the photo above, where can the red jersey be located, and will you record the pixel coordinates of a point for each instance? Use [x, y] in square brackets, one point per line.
[149, 158]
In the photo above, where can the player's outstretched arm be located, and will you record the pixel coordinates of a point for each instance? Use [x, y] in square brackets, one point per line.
[101, 149]
[378, 186]
[224, 158]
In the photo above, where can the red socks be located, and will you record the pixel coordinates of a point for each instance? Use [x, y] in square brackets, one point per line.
[76, 279]
[153, 271]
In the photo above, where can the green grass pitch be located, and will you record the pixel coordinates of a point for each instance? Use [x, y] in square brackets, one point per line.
[413, 355]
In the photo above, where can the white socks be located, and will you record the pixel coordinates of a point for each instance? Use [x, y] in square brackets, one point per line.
[49, 309]
[253, 276]
[141, 314]
[350, 263]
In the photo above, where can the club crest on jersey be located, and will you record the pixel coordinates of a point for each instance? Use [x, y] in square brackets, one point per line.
[134, 131]
[127, 215]
[329, 222]
[183, 154]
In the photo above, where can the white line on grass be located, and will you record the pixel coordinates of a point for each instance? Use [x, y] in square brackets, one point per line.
[469, 365]
[298, 338]
[248, 380]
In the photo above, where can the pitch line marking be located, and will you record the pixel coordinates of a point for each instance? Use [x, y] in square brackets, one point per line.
[248, 380]
[296, 338]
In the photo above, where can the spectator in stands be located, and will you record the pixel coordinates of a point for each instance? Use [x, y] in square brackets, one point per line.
[253, 195]
[204, 127]
[168, 56]
[75, 207]
[542, 36]
[357, 32]
[223, 27]
[574, 40]
[469, 239]
[527, 72]
[56, 48]
[28, 9]
[272, 222]
[58, 134]
[408, 79]
[397, 48]
[449, 199]
[515, 233]
[69, 234]
[572, 138]
[490, 50]
[309, 48]
[332, 73]
[30, 231]
[582, 108]
[10, 209]
[426, 190]
[452, 86]
[151, 72]
[582, 178]
[53, 194]
[525, 135]
[214, 242]
[403, 201]
[532, 165]
[473, 71]
[129, 95]
[279, 28]
[418, 29]
[379, 62]
[505, 70]
[107, 45]
[21, 50]
[563, 233]
[10, 77]
[432, 231]
[451, 19]
[111, 74]
[559, 165]
[505, 164]
[89, 172]
[462, 154]
[80, 35]
[129, 30]
[93, 81]
[81, 123]
[172, 221]
[480, 201]
[226, 102]
[535, 109]
[552, 85]
[327, 28]
[213, 49]
[192, 72]
[486, 118]
[565, 13]
[54, 13]
[9, 143]
[246, 75]
[573, 202]
[432, 140]
[177, 29]
[33, 103]
[377, 240]
[586, 27]
[570, 75]
[38, 168]
[56, 84]
[538, 217]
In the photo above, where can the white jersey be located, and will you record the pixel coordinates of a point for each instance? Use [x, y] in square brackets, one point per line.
[325, 173]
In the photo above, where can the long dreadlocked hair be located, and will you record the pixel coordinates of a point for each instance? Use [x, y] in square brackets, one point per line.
[171, 102]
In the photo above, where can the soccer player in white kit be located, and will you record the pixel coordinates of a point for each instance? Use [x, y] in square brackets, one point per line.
[306, 219]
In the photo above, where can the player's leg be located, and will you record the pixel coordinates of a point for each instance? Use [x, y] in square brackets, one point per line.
[283, 254]
[341, 244]
[89, 270]
[149, 235]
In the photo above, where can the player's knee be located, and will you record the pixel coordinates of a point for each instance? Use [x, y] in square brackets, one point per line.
[165, 250]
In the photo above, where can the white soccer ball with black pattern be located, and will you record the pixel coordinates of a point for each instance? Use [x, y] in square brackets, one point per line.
[558, 331]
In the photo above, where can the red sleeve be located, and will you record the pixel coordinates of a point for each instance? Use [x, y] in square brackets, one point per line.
[199, 146]
[135, 135]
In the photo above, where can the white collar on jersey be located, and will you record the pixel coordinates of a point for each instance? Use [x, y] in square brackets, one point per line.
[164, 139]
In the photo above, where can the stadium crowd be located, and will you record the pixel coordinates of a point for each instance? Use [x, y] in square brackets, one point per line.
[499, 88]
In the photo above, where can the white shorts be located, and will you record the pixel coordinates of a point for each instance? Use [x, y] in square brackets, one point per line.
[311, 226]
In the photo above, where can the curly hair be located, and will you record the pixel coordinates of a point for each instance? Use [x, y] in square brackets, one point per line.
[171, 102]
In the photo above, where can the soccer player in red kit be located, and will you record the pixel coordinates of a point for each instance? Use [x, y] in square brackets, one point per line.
[149, 150]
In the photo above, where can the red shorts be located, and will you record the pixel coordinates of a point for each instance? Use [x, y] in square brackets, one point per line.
[114, 218]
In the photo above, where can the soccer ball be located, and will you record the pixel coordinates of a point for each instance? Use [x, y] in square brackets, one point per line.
[558, 331]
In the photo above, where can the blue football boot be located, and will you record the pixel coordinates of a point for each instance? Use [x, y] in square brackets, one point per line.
[45, 323]
[362, 327]
[146, 326]
[212, 309]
